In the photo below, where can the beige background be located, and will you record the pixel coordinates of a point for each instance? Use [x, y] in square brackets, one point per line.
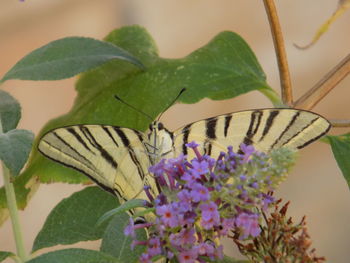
[315, 187]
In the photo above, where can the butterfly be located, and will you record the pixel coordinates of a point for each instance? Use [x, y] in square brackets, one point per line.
[118, 158]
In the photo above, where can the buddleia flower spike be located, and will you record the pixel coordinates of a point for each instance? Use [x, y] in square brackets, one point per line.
[204, 199]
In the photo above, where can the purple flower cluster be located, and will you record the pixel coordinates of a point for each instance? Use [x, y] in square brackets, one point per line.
[203, 199]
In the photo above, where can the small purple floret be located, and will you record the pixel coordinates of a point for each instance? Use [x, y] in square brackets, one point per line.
[130, 229]
[199, 193]
[192, 145]
[200, 167]
[168, 215]
[249, 223]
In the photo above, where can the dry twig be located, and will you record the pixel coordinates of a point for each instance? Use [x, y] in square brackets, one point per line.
[286, 84]
[325, 85]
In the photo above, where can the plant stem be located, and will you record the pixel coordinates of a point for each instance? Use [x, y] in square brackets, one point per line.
[12, 207]
[340, 123]
[325, 85]
[273, 97]
[286, 84]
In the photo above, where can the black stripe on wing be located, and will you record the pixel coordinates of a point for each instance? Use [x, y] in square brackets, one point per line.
[131, 152]
[255, 121]
[122, 136]
[269, 122]
[210, 127]
[302, 129]
[89, 136]
[186, 132]
[228, 119]
[141, 139]
[112, 191]
[110, 135]
[72, 131]
[289, 125]
[82, 159]
[315, 138]
[209, 148]
[70, 147]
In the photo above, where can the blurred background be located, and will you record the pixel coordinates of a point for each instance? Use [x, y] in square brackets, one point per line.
[315, 187]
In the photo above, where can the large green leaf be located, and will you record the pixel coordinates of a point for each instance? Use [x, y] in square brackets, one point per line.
[65, 58]
[341, 150]
[74, 219]
[15, 146]
[10, 111]
[74, 255]
[224, 68]
[115, 243]
[4, 255]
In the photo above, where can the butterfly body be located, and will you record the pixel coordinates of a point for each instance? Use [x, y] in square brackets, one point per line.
[160, 142]
[118, 158]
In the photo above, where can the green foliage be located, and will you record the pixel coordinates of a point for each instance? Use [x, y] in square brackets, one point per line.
[4, 255]
[74, 218]
[115, 243]
[67, 57]
[128, 205]
[10, 111]
[15, 146]
[224, 68]
[341, 150]
[75, 255]
[227, 259]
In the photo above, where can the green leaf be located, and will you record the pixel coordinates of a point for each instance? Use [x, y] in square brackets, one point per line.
[10, 111]
[128, 205]
[227, 259]
[115, 243]
[4, 255]
[222, 69]
[341, 150]
[15, 146]
[67, 57]
[74, 255]
[74, 218]
[147, 213]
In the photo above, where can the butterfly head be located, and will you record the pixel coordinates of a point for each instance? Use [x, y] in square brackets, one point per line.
[156, 126]
[161, 140]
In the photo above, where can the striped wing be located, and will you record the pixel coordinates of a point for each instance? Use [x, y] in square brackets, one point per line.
[265, 129]
[113, 157]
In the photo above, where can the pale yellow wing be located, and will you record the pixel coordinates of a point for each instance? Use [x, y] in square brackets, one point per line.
[265, 129]
[115, 158]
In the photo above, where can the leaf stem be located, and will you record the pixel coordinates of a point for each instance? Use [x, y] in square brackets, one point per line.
[325, 85]
[285, 80]
[340, 123]
[12, 207]
[272, 95]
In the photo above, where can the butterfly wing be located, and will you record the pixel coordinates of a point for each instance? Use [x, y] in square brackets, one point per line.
[115, 158]
[265, 129]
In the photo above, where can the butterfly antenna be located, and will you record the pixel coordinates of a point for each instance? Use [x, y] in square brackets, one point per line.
[134, 108]
[172, 103]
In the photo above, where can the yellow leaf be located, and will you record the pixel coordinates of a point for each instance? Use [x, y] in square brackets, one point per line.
[342, 6]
